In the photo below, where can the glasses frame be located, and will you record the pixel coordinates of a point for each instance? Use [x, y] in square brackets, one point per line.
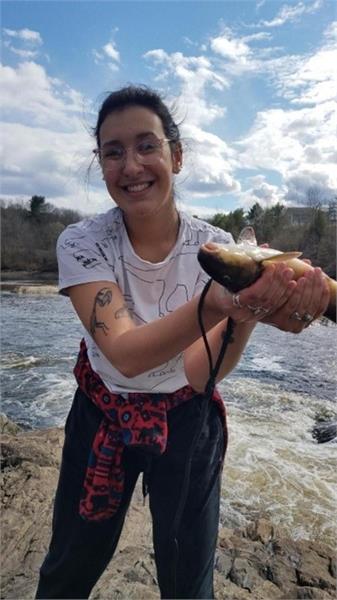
[117, 163]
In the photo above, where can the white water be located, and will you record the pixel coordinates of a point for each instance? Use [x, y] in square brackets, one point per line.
[273, 465]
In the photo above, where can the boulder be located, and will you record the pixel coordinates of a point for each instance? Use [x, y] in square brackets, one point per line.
[257, 562]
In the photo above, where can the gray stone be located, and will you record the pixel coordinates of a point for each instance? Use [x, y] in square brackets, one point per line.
[258, 562]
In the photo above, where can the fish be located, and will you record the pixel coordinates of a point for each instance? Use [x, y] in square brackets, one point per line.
[237, 266]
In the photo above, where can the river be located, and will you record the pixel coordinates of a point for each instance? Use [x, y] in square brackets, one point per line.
[273, 466]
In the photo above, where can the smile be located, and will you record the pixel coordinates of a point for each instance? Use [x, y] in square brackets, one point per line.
[138, 187]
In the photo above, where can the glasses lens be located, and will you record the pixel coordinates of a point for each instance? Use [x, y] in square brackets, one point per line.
[146, 152]
[149, 150]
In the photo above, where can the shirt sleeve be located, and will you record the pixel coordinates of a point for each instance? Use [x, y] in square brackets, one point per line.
[81, 259]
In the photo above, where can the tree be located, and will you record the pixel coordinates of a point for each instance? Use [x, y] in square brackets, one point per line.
[37, 205]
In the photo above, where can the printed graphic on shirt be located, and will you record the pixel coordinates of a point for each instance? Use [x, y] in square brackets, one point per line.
[99, 247]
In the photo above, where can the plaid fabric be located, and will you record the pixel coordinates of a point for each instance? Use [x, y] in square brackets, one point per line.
[139, 420]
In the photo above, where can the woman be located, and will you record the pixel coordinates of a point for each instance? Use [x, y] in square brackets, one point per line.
[134, 280]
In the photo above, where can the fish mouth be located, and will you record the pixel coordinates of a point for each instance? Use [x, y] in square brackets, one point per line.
[227, 265]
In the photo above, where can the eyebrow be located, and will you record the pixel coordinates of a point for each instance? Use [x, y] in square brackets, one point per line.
[139, 136]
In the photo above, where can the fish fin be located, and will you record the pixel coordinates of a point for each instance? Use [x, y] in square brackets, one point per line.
[247, 235]
[282, 257]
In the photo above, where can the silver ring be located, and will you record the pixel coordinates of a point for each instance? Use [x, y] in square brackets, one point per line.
[307, 318]
[236, 301]
[258, 310]
[296, 316]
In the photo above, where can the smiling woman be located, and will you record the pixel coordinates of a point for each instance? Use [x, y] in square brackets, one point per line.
[144, 403]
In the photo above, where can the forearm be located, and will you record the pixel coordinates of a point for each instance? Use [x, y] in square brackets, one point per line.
[195, 357]
[141, 348]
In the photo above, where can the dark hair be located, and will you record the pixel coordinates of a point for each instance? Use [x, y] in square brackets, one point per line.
[138, 96]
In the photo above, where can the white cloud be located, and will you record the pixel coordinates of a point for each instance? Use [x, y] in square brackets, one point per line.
[27, 39]
[208, 164]
[111, 52]
[26, 35]
[26, 54]
[39, 161]
[47, 147]
[289, 13]
[194, 74]
[298, 144]
[30, 95]
[232, 49]
[260, 191]
[310, 79]
[108, 54]
[301, 182]
[236, 56]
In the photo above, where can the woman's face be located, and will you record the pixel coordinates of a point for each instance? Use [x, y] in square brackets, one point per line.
[140, 190]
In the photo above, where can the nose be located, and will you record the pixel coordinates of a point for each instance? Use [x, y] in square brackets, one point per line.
[131, 165]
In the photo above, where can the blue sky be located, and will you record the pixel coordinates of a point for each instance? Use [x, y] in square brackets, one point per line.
[253, 84]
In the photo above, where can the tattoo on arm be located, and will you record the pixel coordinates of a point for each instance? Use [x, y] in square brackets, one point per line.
[122, 312]
[103, 298]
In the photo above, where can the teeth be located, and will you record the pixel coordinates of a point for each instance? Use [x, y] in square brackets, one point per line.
[137, 188]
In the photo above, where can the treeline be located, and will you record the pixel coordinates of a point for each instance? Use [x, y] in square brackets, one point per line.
[310, 230]
[28, 235]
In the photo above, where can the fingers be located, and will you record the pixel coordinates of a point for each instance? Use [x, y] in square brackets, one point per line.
[266, 295]
[271, 291]
[307, 302]
[320, 295]
[276, 298]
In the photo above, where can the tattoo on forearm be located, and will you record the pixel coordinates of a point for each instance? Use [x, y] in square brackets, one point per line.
[122, 312]
[103, 298]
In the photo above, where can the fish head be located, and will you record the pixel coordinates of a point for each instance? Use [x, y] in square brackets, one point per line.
[229, 265]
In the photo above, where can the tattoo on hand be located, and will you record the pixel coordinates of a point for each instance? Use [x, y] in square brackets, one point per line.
[103, 298]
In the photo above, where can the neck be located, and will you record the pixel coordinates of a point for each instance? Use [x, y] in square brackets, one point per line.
[153, 237]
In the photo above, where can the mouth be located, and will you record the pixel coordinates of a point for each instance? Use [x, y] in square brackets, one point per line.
[136, 188]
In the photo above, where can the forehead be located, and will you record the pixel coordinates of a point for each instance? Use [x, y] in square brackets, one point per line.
[126, 124]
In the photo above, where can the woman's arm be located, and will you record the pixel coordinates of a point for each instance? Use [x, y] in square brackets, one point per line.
[135, 349]
[130, 348]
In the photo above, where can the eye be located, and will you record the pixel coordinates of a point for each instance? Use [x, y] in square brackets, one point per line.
[147, 146]
[113, 153]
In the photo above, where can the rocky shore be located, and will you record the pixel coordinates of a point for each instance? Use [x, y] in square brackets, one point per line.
[257, 562]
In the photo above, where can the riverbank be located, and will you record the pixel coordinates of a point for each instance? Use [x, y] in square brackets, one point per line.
[258, 562]
[29, 282]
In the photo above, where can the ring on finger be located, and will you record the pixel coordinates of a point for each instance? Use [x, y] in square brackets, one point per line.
[295, 316]
[236, 301]
[307, 318]
[258, 310]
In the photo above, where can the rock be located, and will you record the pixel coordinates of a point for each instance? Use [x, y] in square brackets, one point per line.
[261, 530]
[7, 426]
[256, 562]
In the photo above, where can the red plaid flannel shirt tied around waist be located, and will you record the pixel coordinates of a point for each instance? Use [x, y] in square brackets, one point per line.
[139, 420]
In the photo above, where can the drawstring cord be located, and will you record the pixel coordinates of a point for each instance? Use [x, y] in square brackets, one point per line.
[209, 389]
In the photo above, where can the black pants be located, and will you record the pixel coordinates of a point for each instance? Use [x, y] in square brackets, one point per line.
[80, 550]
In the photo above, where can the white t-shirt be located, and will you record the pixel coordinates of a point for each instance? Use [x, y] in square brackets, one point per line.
[99, 249]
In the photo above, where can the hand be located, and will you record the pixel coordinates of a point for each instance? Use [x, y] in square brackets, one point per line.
[266, 295]
[308, 302]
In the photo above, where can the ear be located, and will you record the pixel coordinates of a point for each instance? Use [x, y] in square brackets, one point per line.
[177, 158]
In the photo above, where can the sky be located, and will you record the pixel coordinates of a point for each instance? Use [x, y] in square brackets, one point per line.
[252, 84]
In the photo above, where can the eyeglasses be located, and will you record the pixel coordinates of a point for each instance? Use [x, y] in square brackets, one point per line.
[146, 152]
